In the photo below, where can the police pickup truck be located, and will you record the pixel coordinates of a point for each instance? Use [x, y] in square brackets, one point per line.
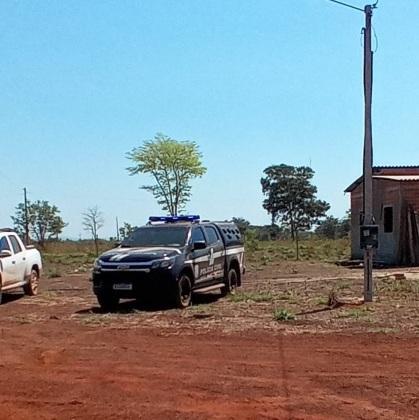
[175, 256]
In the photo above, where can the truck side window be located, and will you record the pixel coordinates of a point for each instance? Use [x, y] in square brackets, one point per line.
[4, 245]
[211, 234]
[15, 245]
[197, 235]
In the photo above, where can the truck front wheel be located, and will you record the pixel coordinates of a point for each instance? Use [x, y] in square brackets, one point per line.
[107, 301]
[183, 291]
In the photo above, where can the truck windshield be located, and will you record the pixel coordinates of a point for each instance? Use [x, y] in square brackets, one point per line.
[157, 236]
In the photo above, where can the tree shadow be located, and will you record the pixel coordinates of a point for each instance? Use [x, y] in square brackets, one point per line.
[316, 311]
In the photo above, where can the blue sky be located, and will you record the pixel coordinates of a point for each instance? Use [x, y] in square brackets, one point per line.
[253, 82]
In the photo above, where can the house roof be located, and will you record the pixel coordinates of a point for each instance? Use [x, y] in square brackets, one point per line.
[398, 177]
[391, 173]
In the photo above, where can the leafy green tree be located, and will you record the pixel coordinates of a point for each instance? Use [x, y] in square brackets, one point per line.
[242, 224]
[334, 228]
[291, 198]
[328, 228]
[44, 221]
[126, 230]
[172, 164]
[93, 221]
[344, 229]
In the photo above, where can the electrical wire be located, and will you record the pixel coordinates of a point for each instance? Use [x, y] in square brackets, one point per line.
[376, 38]
[348, 5]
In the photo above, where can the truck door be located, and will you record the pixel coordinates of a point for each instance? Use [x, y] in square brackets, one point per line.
[19, 258]
[8, 263]
[216, 252]
[199, 257]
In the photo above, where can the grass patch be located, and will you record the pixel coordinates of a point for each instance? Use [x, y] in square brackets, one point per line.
[283, 315]
[325, 250]
[358, 313]
[252, 296]
[290, 296]
[322, 301]
[53, 274]
[391, 286]
[200, 308]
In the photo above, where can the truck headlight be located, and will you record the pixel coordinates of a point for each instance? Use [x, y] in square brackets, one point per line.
[97, 265]
[167, 263]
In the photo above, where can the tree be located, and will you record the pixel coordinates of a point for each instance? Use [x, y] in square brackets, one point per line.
[172, 164]
[126, 230]
[92, 222]
[291, 198]
[344, 229]
[242, 224]
[328, 228]
[44, 221]
[334, 228]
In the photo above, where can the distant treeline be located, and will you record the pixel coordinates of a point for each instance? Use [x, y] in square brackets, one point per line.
[331, 228]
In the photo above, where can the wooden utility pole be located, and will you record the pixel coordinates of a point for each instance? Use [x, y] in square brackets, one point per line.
[117, 229]
[25, 200]
[368, 157]
[368, 231]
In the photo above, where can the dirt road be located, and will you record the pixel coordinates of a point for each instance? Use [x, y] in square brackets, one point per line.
[60, 361]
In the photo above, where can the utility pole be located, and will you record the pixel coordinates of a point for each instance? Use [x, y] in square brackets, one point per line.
[117, 229]
[368, 156]
[368, 230]
[25, 200]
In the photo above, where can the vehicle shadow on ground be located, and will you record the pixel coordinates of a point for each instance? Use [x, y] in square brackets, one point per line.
[150, 305]
[11, 297]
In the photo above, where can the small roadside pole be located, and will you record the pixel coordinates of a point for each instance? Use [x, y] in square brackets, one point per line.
[368, 229]
[117, 229]
[25, 200]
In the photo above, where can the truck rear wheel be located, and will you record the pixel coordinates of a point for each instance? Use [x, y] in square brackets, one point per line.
[230, 283]
[107, 301]
[183, 291]
[31, 287]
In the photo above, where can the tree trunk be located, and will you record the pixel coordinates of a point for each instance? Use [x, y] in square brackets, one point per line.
[297, 245]
[96, 247]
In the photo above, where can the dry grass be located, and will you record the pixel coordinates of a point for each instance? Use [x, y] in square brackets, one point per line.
[328, 250]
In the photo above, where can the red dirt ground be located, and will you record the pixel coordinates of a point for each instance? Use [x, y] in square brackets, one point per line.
[53, 365]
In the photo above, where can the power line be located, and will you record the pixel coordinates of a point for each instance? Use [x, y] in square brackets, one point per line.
[347, 5]
[373, 6]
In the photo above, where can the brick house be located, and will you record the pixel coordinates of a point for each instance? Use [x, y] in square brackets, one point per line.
[396, 212]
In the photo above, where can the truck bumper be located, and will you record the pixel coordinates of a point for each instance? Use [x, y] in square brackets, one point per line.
[132, 284]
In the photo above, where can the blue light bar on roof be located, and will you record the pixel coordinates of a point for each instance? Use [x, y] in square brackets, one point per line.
[173, 219]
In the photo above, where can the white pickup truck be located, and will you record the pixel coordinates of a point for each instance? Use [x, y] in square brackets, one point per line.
[20, 266]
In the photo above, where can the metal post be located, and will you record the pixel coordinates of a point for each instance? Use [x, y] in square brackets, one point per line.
[368, 156]
[26, 217]
[117, 229]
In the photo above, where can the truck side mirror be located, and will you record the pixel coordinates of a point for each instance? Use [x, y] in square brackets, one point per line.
[199, 245]
[5, 253]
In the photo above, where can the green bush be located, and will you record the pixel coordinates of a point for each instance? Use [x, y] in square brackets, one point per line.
[283, 315]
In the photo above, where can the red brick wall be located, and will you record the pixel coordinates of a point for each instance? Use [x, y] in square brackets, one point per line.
[386, 193]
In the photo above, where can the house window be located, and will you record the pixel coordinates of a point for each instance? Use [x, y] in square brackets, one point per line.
[388, 219]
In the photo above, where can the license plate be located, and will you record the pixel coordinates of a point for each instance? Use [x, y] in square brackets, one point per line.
[122, 286]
